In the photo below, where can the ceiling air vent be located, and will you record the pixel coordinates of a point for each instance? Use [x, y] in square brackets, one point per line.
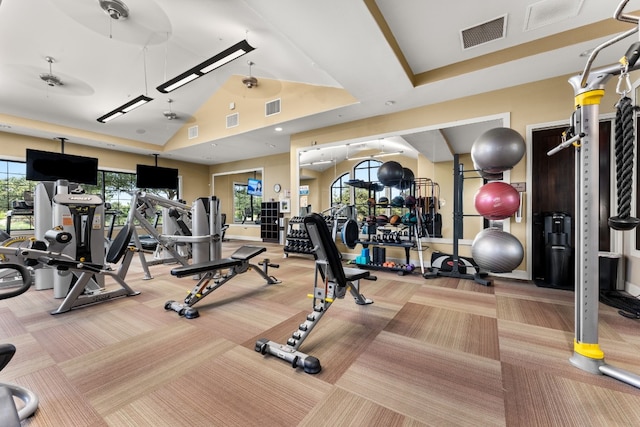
[233, 120]
[484, 33]
[272, 107]
[547, 12]
[193, 132]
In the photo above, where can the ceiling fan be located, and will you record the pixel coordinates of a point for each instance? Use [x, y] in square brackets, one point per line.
[49, 78]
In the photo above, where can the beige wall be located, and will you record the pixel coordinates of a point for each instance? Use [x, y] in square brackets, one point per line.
[275, 171]
[541, 102]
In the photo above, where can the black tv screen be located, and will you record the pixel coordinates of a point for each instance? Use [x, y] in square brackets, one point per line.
[156, 177]
[48, 166]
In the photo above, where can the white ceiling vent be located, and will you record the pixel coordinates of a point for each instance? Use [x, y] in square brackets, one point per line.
[484, 33]
[193, 132]
[233, 120]
[272, 107]
[548, 12]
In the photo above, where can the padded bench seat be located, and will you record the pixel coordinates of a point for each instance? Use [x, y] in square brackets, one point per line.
[242, 254]
[355, 273]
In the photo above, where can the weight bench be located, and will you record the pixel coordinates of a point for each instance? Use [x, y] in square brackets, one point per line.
[212, 276]
[331, 281]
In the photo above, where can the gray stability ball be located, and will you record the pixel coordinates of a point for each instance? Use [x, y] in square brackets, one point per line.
[497, 150]
[497, 251]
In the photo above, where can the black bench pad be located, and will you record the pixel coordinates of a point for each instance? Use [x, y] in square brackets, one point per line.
[355, 273]
[203, 267]
[242, 254]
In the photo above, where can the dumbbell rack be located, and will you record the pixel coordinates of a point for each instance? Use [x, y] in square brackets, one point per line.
[297, 239]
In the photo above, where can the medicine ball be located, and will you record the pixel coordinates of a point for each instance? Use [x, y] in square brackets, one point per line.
[371, 202]
[382, 219]
[497, 150]
[390, 173]
[397, 202]
[384, 201]
[410, 201]
[395, 220]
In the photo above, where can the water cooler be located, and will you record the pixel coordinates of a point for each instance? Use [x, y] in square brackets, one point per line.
[559, 266]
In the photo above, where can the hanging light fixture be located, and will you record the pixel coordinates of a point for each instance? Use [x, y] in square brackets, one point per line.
[134, 103]
[216, 61]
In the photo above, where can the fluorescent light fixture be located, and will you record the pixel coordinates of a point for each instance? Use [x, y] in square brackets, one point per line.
[322, 162]
[216, 61]
[121, 110]
[375, 156]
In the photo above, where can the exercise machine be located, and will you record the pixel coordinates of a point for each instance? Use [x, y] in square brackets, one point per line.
[217, 271]
[186, 229]
[583, 136]
[331, 282]
[10, 415]
[86, 276]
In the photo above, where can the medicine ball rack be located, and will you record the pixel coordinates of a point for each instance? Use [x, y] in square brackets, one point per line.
[458, 215]
[412, 240]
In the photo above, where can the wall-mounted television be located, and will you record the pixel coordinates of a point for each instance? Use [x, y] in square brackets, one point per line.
[48, 166]
[156, 177]
[254, 187]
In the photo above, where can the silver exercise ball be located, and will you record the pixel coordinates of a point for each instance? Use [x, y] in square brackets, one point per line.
[497, 251]
[497, 150]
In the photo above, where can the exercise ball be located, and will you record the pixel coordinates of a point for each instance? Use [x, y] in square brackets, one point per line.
[496, 251]
[390, 173]
[407, 179]
[497, 150]
[496, 200]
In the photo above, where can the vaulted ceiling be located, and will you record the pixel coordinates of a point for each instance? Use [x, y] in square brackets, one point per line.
[334, 60]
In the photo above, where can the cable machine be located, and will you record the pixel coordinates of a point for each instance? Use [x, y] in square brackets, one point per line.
[584, 136]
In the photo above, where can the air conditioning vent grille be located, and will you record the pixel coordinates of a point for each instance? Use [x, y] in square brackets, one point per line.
[484, 33]
[272, 107]
[193, 132]
[233, 120]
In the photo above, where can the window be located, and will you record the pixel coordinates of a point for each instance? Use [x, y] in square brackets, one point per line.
[246, 208]
[366, 171]
[14, 188]
[114, 187]
[340, 191]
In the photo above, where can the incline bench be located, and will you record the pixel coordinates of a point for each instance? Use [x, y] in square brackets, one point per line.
[331, 282]
[212, 276]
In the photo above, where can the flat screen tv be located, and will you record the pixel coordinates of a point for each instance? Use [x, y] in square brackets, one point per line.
[48, 166]
[254, 187]
[156, 177]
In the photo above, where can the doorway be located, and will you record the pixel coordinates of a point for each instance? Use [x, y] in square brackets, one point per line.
[553, 206]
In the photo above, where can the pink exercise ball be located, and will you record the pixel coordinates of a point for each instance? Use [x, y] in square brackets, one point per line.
[497, 251]
[497, 200]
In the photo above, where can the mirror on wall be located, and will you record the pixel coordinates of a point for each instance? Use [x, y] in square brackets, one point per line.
[428, 152]
[240, 194]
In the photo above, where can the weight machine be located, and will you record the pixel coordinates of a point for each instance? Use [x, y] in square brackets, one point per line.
[583, 135]
[188, 231]
[85, 275]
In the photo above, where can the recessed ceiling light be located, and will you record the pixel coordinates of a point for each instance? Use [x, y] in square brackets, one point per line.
[3, 126]
[278, 129]
[389, 103]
